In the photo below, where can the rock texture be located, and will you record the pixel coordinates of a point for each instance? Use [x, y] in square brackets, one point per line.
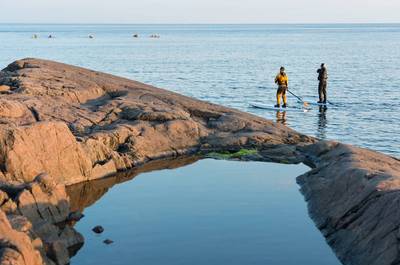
[77, 125]
[354, 198]
[32, 220]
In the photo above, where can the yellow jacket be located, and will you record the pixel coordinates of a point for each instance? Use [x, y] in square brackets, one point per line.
[282, 80]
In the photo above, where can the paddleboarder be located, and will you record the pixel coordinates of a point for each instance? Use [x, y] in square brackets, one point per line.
[323, 83]
[282, 81]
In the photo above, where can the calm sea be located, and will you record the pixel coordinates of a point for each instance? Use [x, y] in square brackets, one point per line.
[234, 65]
[211, 212]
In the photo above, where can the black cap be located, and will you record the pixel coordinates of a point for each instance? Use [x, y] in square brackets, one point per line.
[282, 68]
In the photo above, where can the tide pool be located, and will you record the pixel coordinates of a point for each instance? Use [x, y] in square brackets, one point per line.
[207, 212]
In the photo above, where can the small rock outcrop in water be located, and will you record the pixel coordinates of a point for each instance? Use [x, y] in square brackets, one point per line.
[98, 229]
[78, 125]
[108, 241]
[75, 216]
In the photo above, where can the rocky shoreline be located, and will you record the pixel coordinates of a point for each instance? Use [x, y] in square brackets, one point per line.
[62, 125]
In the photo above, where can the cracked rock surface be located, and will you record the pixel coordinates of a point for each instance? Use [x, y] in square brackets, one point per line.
[62, 125]
[32, 223]
[79, 125]
[353, 197]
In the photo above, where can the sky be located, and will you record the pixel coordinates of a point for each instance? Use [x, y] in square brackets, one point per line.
[199, 11]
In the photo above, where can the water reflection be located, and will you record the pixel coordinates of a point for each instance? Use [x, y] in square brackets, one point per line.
[281, 117]
[322, 122]
[83, 195]
[211, 212]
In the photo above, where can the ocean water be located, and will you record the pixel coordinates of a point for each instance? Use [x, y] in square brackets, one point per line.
[235, 65]
[210, 212]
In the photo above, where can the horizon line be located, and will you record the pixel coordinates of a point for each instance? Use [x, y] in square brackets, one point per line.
[201, 23]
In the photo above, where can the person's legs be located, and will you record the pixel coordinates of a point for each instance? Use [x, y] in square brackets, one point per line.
[324, 91]
[320, 94]
[284, 97]
[278, 97]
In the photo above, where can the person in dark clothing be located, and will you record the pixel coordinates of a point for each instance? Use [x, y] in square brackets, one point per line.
[323, 83]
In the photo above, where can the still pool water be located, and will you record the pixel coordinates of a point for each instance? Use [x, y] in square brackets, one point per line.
[235, 65]
[210, 212]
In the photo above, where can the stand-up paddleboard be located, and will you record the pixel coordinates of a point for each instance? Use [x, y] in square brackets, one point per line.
[314, 102]
[269, 107]
[318, 104]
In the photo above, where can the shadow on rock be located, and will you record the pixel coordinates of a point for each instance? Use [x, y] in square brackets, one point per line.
[33, 223]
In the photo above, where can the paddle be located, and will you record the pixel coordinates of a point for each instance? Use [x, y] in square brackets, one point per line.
[305, 104]
[331, 103]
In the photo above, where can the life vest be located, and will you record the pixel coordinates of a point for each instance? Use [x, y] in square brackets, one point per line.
[282, 79]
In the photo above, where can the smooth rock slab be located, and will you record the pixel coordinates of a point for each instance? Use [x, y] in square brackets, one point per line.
[353, 196]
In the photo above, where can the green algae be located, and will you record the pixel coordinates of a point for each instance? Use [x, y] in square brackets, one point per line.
[226, 155]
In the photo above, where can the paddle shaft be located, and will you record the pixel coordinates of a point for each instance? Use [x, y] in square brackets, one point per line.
[296, 96]
[299, 98]
[330, 102]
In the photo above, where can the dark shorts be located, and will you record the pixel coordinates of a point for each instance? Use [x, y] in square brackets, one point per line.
[281, 90]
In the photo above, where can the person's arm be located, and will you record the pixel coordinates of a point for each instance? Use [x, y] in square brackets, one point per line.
[287, 81]
[276, 80]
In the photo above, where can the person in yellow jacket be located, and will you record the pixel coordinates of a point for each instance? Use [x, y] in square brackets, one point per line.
[282, 81]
